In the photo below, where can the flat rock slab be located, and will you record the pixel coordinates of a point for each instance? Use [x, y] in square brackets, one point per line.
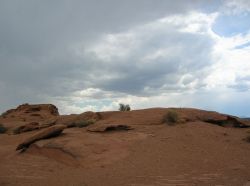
[109, 128]
[229, 121]
[50, 132]
[32, 126]
[25, 128]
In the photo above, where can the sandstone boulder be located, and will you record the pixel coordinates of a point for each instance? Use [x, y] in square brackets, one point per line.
[32, 110]
[44, 134]
[33, 126]
[25, 128]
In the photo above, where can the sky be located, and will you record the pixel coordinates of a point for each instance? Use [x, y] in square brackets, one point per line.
[91, 55]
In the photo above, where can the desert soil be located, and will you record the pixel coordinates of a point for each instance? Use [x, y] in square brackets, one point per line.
[149, 153]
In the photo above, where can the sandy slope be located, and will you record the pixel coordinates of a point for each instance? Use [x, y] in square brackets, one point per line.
[152, 154]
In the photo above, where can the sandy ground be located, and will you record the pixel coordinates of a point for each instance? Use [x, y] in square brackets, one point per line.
[152, 154]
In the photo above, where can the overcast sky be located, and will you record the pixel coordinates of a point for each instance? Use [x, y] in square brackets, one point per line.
[91, 55]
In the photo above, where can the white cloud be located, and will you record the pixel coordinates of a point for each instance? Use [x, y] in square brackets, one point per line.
[146, 55]
[213, 68]
[237, 6]
[232, 63]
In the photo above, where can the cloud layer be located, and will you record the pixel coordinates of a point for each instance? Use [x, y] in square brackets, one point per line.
[91, 55]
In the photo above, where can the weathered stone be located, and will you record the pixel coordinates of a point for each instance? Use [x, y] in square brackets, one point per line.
[25, 128]
[229, 121]
[44, 134]
[109, 128]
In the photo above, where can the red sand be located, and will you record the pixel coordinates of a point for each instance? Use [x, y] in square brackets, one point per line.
[192, 152]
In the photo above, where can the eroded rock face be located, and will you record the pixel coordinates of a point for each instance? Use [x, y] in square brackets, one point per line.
[33, 126]
[229, 121]
[25, 128]
[32, 110]
[29, 117]
[50, 132]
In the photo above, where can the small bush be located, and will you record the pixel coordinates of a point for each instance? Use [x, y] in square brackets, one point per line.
[2, 129]
[123, 107]
[171, 117]
[84, 123]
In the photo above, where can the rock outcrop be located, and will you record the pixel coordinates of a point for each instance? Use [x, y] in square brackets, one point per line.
[32, 110]
[29, 117]
[44, 134]
[229, 121]
[33, 126]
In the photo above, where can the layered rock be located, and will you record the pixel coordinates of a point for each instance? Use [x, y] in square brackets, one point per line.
[32, 110]
[44, 134]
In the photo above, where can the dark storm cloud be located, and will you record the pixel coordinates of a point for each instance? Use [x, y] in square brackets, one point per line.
[162, 57]
[37, 40]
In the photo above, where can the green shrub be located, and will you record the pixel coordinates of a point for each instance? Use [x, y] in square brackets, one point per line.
[84, 123]
[123, 107]
[2, 129]
[171, 117]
